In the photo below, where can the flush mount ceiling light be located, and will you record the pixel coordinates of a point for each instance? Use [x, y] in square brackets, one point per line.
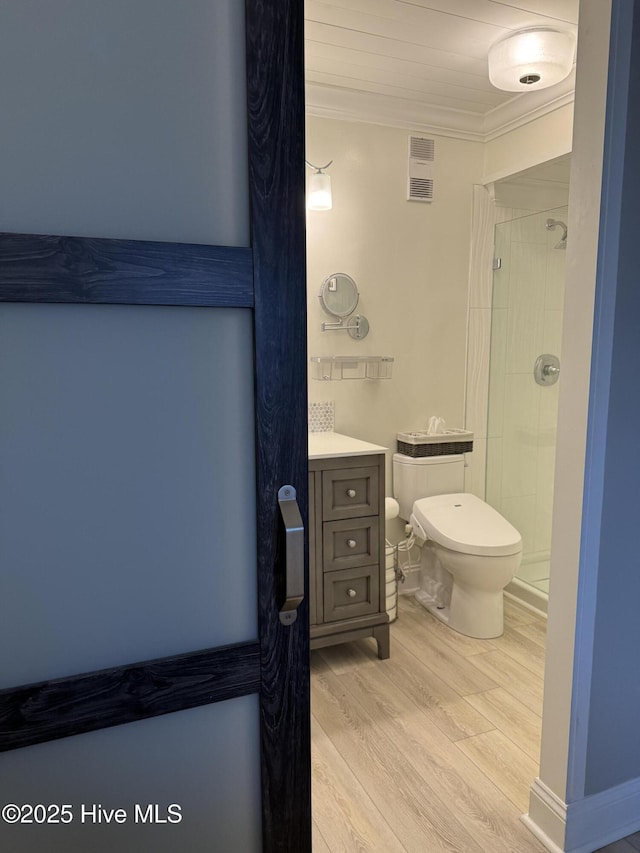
[531, 59]
[319, 188]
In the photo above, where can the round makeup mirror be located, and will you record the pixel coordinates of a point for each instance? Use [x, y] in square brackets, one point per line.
[339, 295]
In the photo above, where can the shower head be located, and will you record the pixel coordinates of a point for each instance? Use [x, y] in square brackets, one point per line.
[550, 225]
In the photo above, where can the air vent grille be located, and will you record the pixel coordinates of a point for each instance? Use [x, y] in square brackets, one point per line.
[421, 189]
[420, 183]
[423, 149]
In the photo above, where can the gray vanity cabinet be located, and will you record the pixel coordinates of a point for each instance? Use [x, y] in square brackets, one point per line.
[346, 551]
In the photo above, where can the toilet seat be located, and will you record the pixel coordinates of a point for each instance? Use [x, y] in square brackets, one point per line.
[466, 524]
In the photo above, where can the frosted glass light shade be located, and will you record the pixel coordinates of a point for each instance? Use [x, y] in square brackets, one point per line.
[319, 192]
[531, 59]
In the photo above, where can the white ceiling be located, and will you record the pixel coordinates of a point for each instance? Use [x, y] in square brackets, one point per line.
[422, 63]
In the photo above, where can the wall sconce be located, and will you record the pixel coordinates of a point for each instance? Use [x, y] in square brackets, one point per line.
[531, 59]
[319, 188]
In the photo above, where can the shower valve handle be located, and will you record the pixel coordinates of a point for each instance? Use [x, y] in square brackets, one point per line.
[546, 370]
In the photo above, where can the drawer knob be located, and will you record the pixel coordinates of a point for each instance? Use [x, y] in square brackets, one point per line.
[351, 592]
[351, 493]
[351, 543]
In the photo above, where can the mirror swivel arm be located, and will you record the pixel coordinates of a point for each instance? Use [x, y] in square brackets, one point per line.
[333, 327]
[358, 327]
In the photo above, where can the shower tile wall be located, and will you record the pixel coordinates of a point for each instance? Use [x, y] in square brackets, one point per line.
[521, 427]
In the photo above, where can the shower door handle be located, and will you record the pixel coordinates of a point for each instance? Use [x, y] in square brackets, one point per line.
[294, 543]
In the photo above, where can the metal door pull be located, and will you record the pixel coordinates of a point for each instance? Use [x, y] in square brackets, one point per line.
[294, 538]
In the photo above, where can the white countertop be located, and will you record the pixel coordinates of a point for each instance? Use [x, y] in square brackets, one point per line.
[323, 445]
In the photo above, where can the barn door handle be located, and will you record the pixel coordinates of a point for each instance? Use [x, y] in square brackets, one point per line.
[294, 537]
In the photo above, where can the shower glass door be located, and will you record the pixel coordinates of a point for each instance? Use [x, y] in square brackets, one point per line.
[526, 323]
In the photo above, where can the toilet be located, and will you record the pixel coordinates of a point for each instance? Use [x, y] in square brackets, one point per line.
[470, 551]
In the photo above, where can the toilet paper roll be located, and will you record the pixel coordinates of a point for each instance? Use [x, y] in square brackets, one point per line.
[391, 508]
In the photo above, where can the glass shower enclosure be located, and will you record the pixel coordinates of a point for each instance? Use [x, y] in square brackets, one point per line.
[526, 340]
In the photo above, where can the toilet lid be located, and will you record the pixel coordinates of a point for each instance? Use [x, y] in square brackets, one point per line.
[464, 523]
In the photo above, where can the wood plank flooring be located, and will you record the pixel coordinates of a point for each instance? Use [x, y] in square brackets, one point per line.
[434, 749]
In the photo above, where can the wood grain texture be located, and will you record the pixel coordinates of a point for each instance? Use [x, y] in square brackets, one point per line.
[44, 268]
[452, 777]
[512, 718]
[343, 658]
[521, 649]
[445, 707]
[319, 844]
[461, 644]
[535, 632]
[275, 102]
[515, 678]
[439, 656]
[350, 819]
[516, 614]
[505, 764]
[69, 706]
[420, 751]
[481, 778]
[403, 795]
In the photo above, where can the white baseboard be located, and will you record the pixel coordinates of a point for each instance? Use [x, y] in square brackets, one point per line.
[587, 824]
[547, 817]
[542, 837]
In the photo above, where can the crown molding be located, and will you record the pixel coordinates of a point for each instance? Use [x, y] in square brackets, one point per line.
[518, 111]
[351, 105]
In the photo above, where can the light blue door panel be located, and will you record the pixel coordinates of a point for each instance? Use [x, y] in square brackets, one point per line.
[204, 762]
[127, 485]
[124, 118]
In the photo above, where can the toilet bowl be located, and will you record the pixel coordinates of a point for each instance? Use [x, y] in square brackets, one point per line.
[470, 551]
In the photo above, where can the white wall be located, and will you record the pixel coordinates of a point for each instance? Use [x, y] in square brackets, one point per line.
[410, 261]
[542, 139]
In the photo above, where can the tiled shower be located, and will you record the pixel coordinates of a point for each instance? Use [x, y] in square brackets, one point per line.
[526, 321]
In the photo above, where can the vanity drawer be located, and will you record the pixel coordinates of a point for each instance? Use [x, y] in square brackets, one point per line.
[349, 543]
[350, 492]
[351, 592]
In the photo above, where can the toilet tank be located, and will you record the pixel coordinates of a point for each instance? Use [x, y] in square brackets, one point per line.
[425, 477]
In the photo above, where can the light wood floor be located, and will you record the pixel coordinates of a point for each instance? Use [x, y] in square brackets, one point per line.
[434, 749]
